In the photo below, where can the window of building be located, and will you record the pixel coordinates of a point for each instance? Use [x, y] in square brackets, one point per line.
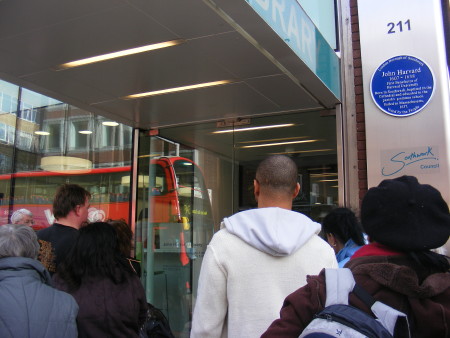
[24, 140]
[53, 142]
[8, 105]
[80, 134]
[11, 134]
[3, 132]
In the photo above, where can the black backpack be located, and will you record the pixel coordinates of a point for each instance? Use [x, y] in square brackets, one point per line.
[156, 324]
[339, 319]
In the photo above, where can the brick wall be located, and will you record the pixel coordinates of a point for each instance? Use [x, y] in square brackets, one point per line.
[359, 100]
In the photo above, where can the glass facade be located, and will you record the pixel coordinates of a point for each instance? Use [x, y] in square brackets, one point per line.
[45, 142]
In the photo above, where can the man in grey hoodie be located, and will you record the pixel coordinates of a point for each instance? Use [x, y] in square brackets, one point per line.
[258, 258]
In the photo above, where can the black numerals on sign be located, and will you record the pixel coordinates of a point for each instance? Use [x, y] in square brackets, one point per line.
[399, 26]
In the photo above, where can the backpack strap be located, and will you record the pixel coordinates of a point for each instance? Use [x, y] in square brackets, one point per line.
[339, 283]
[363, 295]
[391, 318]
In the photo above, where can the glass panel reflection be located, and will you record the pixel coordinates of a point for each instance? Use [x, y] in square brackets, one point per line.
[174, 226]
[46, 143]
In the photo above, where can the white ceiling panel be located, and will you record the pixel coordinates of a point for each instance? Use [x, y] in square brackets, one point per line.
[187, 19]
[23, 16]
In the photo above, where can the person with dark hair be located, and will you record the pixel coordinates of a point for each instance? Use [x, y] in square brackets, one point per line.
[110, 295]
[404, 220]
[125, 237]
[70, 209]
[344, 233]
[30, 306]
[258, 257]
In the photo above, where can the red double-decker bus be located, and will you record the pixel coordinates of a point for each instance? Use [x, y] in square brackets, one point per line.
[175, 187]
[35, 190]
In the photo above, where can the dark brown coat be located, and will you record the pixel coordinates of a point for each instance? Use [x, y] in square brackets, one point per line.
[393, 280]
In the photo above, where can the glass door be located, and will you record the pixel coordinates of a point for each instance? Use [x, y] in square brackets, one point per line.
[191, 177]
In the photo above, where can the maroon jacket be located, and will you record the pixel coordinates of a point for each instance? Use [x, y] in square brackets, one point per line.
[394, 280]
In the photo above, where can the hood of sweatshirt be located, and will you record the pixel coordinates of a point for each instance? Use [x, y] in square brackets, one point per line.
[23, 266]
[276, 231]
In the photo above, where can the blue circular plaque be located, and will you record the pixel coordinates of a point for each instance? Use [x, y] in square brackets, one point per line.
[402, 85]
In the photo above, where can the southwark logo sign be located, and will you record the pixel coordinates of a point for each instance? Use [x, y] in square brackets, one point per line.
[411, 161]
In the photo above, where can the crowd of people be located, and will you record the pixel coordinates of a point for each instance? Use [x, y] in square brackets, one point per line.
[72, 279]
[263, 273]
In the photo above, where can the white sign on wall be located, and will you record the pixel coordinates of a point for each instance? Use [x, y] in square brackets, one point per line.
[406, 91]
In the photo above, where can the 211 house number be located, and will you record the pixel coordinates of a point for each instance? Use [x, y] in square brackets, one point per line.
[399, 26]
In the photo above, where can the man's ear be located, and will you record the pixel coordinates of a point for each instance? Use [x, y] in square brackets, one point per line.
[296, 190]
[256, 189]
[76, 210]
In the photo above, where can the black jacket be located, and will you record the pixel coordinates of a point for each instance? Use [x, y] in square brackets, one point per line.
[108, 309]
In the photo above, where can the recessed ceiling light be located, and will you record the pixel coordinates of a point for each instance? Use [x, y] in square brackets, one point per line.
[324, 175]
[85, 132]
[281, 139]
[110, 123]
[118, 54]
[253, 128]
[278, 144]
[40, 132]
[177, 89]
[301, 151]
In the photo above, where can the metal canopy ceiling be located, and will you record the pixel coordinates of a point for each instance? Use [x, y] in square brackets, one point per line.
[224, 40]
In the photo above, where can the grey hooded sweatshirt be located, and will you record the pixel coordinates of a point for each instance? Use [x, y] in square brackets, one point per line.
[258, 258]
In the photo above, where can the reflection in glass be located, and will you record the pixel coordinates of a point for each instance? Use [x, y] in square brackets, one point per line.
[173, 228]
[41, 147]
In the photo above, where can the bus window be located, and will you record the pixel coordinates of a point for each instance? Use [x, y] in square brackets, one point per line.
[159, 180]
[35, 191]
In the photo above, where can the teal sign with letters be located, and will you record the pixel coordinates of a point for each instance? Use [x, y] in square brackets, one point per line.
[290, 22]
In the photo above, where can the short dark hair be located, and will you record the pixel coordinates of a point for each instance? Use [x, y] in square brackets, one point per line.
[124, 235]
[277, 173]
[67, 197]
[343, 224]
